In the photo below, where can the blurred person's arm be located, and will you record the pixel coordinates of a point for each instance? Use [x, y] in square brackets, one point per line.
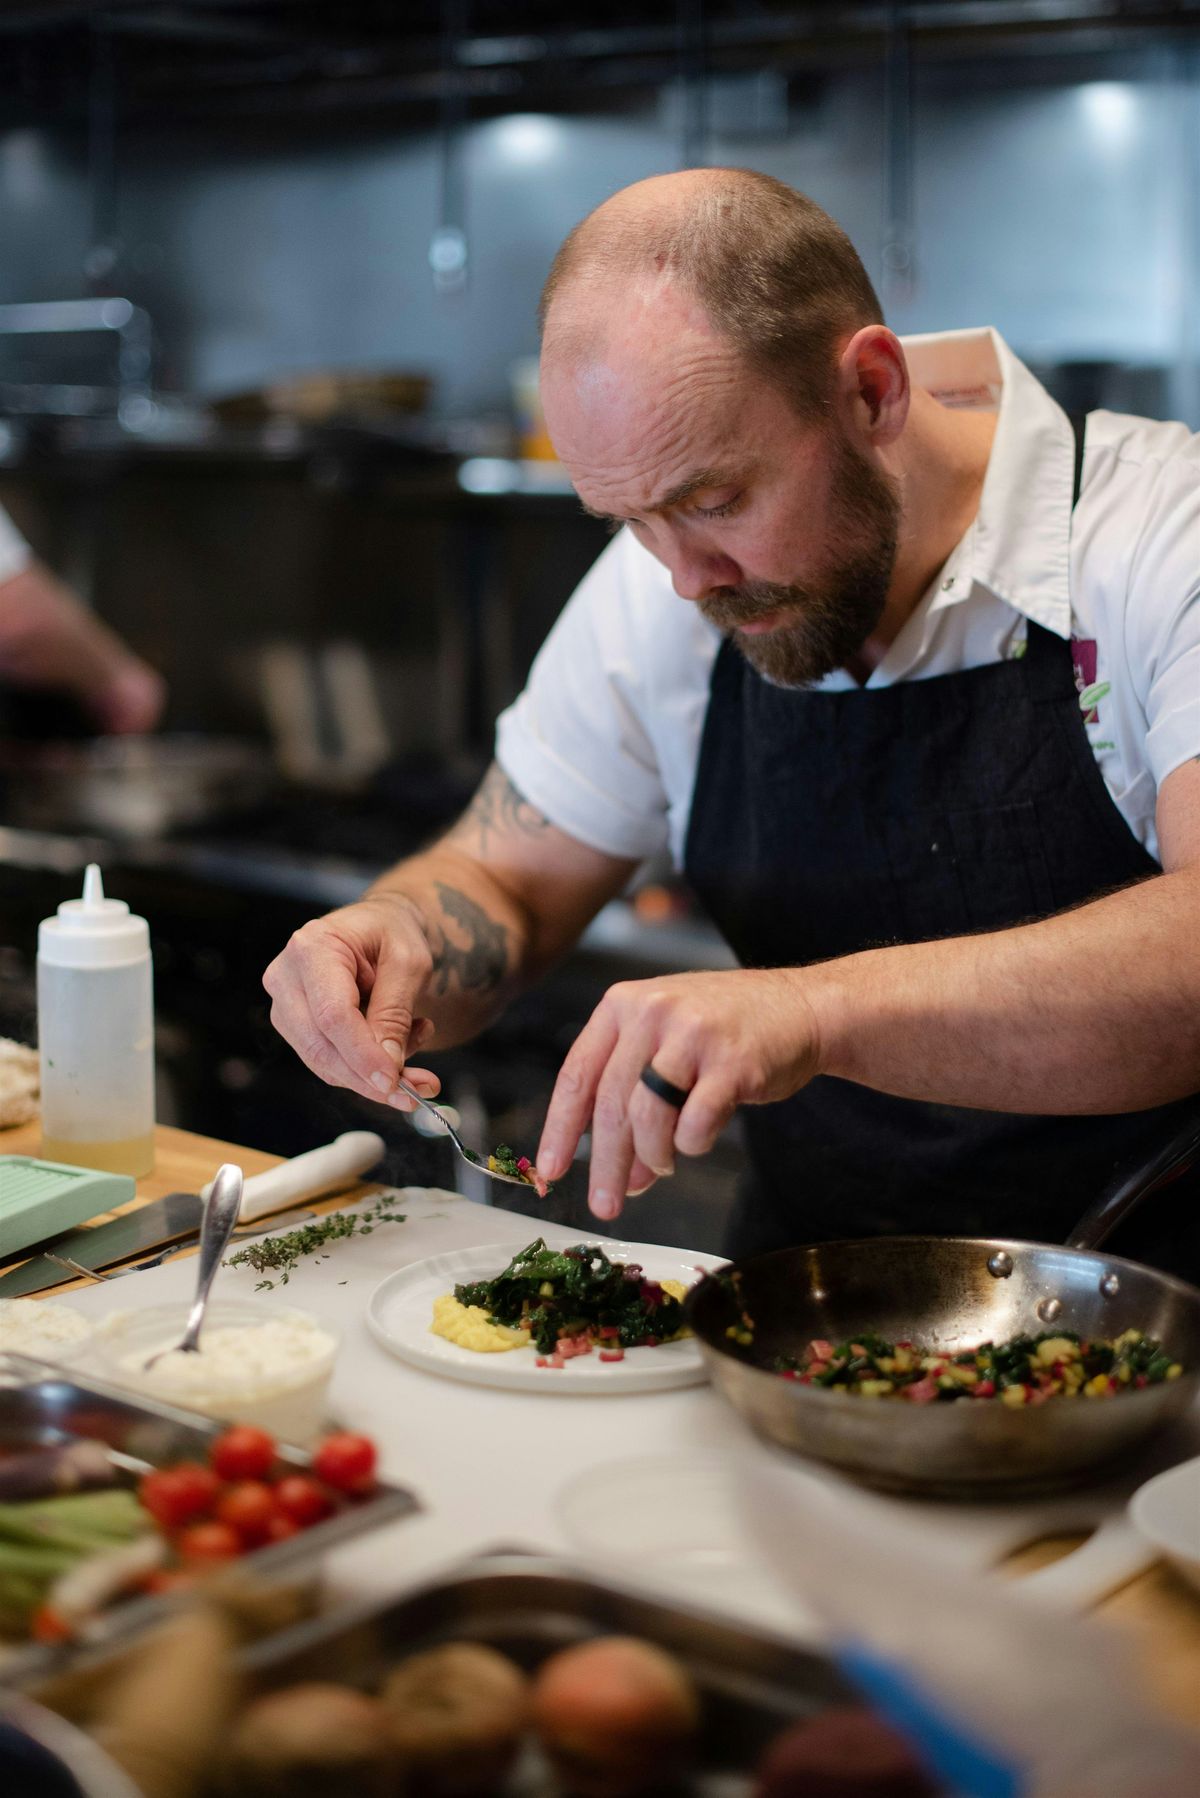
[49, 639]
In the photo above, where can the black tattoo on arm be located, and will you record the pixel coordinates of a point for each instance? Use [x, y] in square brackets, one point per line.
[480, 963]
[499, 809]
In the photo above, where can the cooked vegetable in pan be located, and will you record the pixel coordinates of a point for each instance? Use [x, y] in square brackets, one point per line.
[1024, 1370]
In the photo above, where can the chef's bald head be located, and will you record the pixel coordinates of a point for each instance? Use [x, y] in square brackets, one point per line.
[772, 272]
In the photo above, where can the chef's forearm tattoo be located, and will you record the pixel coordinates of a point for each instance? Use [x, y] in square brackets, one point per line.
[480, 962]
[500, 809]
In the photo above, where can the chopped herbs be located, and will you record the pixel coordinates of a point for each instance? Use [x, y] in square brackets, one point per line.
[280, 1254]
[577, 1292]
[1024, 1370]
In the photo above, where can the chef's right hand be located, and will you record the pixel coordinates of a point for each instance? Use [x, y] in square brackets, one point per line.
[346, 994]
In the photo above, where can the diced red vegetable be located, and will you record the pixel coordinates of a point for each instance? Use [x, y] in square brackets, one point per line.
[612, 1354]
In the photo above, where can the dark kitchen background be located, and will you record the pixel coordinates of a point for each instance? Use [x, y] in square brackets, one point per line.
[268, 273]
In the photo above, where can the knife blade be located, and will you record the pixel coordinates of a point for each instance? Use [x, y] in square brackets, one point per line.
[178, 1215]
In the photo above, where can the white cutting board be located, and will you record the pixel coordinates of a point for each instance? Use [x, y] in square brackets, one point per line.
[646, 1484]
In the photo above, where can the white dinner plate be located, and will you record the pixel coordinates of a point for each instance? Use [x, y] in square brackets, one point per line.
[1166, 1511]
[400, 1312]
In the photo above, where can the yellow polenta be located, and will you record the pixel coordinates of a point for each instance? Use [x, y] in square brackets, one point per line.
[471, 1327]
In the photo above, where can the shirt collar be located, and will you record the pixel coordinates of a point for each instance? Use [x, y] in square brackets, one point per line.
[1018, 545]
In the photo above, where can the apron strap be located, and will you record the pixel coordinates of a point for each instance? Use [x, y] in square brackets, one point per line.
[1078, 422]
[1044, 651]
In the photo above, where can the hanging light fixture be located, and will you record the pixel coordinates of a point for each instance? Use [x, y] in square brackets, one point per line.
[448, 256]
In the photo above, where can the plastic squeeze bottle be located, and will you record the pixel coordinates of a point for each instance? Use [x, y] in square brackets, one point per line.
[96, 1033]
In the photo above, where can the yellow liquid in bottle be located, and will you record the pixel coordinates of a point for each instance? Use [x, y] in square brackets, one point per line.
[124, 1155]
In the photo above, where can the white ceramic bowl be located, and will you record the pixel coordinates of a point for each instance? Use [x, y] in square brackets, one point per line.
[258, 1363]
[1166, 1511]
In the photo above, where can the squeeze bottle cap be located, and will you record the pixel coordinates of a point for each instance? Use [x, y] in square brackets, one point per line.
[93, 932]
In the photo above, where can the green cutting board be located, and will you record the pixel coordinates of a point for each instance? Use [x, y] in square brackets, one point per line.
[39, 1199]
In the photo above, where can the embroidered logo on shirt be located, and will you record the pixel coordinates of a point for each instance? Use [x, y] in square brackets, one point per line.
[1091, 691]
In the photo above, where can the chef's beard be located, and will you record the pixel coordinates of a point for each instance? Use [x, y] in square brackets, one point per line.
[835, 614]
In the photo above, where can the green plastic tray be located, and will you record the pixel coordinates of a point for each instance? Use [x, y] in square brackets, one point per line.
[43, 1198]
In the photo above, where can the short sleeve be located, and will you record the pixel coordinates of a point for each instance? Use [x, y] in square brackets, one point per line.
[576, 741]
[15, 553]
[1164, 620]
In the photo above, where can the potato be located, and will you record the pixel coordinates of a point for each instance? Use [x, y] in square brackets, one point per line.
[848, 1753]
[313, 1741]
[615, 1716]
[170, 1705]
[457, 1715]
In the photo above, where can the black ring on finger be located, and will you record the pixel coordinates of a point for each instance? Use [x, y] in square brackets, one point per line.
[663, 1088]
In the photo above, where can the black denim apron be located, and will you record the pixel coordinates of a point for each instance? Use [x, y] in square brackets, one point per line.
[826, 823]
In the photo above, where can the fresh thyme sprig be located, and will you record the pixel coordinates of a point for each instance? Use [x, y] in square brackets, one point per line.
[280, 1254]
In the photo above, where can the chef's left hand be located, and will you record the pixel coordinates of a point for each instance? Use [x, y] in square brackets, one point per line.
[727, 1039]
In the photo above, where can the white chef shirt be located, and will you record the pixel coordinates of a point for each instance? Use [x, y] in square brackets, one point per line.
[15, 553]
[605, 738]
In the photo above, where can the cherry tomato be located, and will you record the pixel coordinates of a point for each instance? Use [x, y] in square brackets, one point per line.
[243, 1453]
[248, 1508]
[178, 1495]
[346, 1462]
[209, 1542]
[303, 1499]
[47, 1626]
[281, 1527]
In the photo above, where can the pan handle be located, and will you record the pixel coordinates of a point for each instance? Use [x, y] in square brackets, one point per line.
[1127, 1193]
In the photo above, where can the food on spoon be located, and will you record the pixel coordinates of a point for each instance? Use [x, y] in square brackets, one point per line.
[615, 1716]
[566, 1302]
[1022, 1370]
[457, 1715]
[314, 1740]
[847, 1753]
[518, 1167]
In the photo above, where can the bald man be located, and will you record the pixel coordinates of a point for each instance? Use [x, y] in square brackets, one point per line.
[903, 666]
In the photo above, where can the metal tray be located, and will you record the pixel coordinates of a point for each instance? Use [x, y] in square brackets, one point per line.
[752, 1684]
[44, 1405]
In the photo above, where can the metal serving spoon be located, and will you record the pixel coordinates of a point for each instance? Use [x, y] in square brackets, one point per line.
[475, 1160]
[220, 1215]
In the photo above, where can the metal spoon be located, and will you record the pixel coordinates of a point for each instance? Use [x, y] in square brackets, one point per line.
[220, 1215]
[475, 1160]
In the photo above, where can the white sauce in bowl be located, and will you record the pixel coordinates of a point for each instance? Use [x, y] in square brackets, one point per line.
[272, 1370]
[38, 1327]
